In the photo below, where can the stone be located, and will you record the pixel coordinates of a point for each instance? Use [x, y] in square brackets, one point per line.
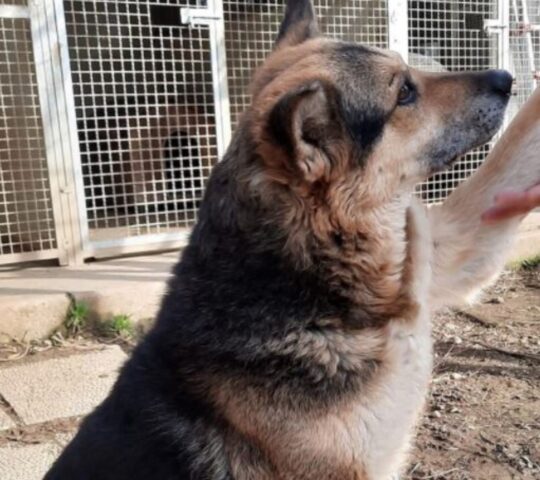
[30, 462]
[61, 387]
[5, 421]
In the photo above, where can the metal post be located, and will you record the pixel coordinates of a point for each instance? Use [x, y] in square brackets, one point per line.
[56, 130]
[73, 154]
[503, 43]
[213, 18]
[398, 27]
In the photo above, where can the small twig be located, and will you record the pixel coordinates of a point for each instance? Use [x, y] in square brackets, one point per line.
[443, 359]
[475, 319]
[530, 356]
[486, 439]
[440, 474]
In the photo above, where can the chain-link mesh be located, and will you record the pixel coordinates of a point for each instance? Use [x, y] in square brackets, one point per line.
[26, 217]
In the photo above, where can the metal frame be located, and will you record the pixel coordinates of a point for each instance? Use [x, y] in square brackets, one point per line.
[212, 18]
[55, 105]
[58, 102]
[14, 11]
[22, 12]
[398, 27]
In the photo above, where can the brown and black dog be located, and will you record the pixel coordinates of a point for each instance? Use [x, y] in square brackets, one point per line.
[294, 342]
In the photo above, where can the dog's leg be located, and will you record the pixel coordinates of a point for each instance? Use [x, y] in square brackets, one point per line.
[467, 252]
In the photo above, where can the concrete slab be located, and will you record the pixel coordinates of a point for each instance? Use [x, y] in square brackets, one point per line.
[34, 301]
[5, 422]
[27, 318]
[30, 462]
[64, 439]
[61, 387]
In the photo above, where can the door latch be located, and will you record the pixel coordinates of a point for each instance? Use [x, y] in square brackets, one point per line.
[198, 16]
[494, 26]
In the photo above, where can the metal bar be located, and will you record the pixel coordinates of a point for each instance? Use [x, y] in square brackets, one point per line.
[144, 243]
[70, 219]
[503, 43]
[47, 102]
[14, 11]
[199, 16]
[530, 48]
[398, 27]
[145, 104]
[81, 239]
[11, 258]
[56, 129]
[219, 76]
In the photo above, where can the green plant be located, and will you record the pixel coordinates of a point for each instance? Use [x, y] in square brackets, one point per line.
[77, 317]
[120, 326]
[530, 263]
[525, 263]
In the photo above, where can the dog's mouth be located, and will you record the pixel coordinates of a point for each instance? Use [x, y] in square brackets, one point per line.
[460, 140]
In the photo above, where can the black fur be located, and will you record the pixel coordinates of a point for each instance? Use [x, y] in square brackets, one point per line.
[232, 294]
[280, 123]
[298, 12]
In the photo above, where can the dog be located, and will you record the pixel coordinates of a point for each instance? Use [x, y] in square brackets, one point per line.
[294, 341]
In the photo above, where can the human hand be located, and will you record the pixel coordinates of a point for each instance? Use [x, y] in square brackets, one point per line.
[510, 204]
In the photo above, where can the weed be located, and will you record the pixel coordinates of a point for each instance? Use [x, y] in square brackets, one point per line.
[531, 263]
[77, 317]
[120, 326]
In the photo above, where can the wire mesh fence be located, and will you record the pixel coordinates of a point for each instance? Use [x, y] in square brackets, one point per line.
[21, 3]
[26, 216]
[450, 36]
[251, 28]
[145, 114]
[146, 107]
[524, 41]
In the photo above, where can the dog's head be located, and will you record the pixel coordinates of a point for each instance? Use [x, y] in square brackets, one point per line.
[329, 116]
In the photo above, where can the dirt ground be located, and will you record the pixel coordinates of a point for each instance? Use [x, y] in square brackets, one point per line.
[483, 417]
[482, 420]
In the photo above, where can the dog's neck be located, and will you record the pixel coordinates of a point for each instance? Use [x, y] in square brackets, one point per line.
[367, 264]
[359, 256]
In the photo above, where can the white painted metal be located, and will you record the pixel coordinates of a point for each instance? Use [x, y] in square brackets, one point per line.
[450, 36]
[36, 256]
[136, 112]
[81, 242]
[398, 27]
[219, 75]
[528, 32]
[133, 245]
[14, 11]
[251, 28]
[142, 91]
[27, 223]
[56, 130]
[198, 16]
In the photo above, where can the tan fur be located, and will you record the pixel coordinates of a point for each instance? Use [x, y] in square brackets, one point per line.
[363, 229]
[468, 253]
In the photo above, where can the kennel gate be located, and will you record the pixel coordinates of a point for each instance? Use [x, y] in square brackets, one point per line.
[142, 96]
[39, 217]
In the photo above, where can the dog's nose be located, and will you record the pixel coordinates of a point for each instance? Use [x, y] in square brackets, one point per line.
[500, 81]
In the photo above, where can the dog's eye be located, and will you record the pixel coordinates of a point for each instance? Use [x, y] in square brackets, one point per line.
[407, 94]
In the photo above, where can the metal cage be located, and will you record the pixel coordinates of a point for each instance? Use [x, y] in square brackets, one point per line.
[27, 227]
[113, 112]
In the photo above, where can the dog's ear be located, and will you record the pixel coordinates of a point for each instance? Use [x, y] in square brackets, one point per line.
[303, 125]
[299, 25]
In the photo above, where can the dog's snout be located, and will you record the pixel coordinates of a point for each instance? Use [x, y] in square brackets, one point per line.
[499, 81]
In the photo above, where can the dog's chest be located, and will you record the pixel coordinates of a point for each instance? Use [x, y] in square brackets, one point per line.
[377, 426]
